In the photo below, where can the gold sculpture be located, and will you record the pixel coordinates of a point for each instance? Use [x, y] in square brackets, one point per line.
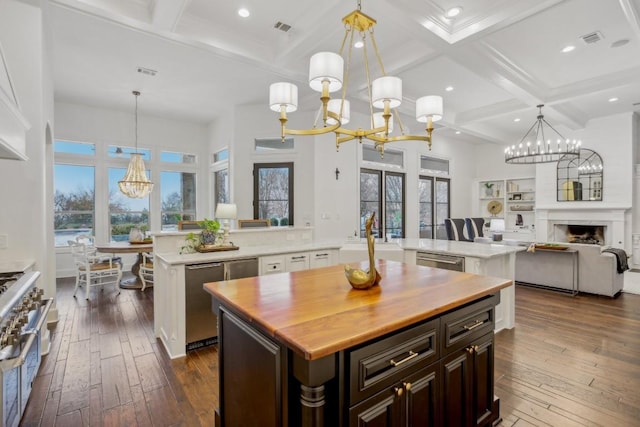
[361, 279]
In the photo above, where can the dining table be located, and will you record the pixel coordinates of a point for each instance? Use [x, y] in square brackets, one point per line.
[129, 248]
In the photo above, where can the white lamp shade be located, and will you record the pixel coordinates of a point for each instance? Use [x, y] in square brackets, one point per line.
[326, 66]
[429, 106]
[386, 88]
[496, 225]
[334, 106]
[226, 211]
[378, 121]
[283, 93]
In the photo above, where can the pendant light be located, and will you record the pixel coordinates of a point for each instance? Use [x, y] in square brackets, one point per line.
[135, 183]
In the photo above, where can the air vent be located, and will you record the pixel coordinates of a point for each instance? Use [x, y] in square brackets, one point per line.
[282, 26]
[591, 38]
[147, 71]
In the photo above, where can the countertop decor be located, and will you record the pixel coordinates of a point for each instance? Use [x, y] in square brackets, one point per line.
[360, 279]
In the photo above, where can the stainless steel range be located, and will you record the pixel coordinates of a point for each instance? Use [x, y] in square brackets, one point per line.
[23, 314]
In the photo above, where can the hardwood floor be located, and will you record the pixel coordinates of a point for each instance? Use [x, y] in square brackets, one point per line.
[570, 361]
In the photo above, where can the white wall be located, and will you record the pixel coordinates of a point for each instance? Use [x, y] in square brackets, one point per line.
[24, 215]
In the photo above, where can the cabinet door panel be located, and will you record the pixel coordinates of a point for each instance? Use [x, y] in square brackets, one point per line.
[382, 410]
[422, 391]
[456, 371]
[483, 371]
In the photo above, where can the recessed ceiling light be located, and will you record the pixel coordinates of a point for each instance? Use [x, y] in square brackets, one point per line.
[448, 88]
[568, 48]
[358, 44]
[243, 12]
[454, 11]
[457, 132]
[614, 99]
[517, 119]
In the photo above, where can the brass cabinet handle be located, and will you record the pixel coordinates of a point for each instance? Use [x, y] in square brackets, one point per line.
[407, 386]
[476, 324]
[398, 391]
[411, 355]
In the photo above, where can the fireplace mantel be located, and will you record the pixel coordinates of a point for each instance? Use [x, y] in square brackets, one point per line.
[613, 218]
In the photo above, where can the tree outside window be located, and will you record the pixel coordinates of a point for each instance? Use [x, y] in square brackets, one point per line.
[273, 193]
[73, 202]
[178, 192]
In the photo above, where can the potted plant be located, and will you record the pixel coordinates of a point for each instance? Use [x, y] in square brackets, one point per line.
[209, 235]
[488, 189]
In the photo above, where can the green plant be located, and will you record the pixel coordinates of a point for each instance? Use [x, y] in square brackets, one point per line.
[191, 242]
[488, 184]
[210, 225]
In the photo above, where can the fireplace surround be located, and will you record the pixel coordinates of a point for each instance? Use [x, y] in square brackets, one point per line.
[552, 224]
[579, 233]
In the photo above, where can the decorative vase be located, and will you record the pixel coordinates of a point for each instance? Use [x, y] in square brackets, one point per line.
[488, 191]
[208, 238]
[136, 235]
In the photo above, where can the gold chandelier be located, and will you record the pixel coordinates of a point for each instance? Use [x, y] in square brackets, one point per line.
[326, 72]
[135, 183]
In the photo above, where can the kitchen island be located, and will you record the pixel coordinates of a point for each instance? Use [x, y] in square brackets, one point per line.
[169, 291]
[303, 348]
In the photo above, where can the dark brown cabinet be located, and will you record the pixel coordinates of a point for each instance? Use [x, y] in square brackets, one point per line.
[468, 398]
[413, 401]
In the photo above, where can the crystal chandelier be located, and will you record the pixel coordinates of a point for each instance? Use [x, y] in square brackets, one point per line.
[328, 73]
[534, 147]
[135, 183]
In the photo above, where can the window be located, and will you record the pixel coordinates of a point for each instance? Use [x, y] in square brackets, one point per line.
[221, 191]
[125, 213]
[79, 148]
[125, 152]
[172, 157]
[390, 215]
[221, 155]
[270, 144]
[273, 192]
[391, 157]
[74, 202]
[432, 214]
[178, 193]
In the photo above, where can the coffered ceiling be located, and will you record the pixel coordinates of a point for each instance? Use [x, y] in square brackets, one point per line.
[502, 57]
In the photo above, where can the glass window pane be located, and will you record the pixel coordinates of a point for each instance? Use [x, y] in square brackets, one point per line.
[178, 194]
[370, 187]
[82, 148]
[74, 202]
[269, 144]
[125, 213]
[171, 157]
[442, 207]
[272, 190]
[221, 178]
[394, 206]
[434, 165]
[221, 155]
[391, 157]
[425, 200]
[125, 152]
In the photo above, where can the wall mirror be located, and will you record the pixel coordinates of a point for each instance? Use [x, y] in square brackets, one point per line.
[580, 178]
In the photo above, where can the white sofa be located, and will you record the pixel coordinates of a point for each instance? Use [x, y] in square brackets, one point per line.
[597, 270]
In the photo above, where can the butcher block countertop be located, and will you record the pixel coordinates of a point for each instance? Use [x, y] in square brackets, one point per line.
[316, 312]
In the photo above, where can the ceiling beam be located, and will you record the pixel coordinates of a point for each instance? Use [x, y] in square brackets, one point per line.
[166, 14]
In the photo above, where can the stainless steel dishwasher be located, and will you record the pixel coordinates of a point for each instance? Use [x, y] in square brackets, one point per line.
[200, 323]
[437, 260]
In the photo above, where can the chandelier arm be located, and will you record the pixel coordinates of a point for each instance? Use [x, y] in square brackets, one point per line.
[554, 129]
[345, 82]
[377, 52]
[529, 131]
[315, 131]
[368, 77]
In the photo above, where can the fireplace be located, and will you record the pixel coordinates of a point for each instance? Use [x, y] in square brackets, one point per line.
[577, 233]
[608, 225]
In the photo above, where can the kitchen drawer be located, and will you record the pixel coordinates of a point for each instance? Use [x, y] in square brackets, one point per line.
[272, 264]
[464, 325]
[381, 363]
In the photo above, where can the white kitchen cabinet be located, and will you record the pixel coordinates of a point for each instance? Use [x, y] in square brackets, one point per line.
[272, 264]
[297, 261]
[323, 258]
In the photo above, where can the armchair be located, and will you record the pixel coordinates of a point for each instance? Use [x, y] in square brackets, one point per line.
[93, 270]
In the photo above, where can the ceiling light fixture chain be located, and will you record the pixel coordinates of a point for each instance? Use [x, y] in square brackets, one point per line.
[327, 73]
[541, 150]
[135, 183]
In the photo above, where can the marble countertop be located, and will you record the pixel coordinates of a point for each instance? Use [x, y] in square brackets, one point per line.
[19, 266]
[468, 249]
